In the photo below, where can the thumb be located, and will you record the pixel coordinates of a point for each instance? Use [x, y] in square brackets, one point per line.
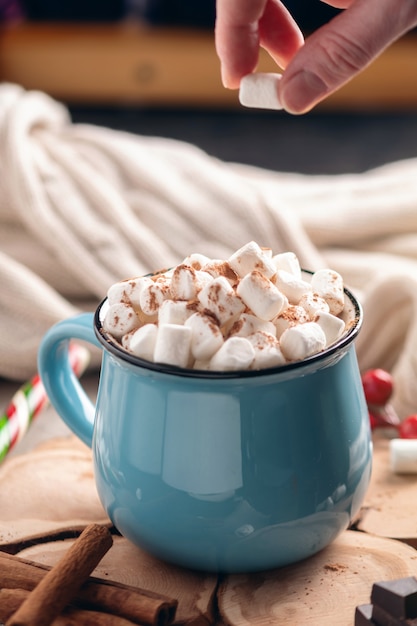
[338, 51]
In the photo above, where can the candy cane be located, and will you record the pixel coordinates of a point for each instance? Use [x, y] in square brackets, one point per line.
[30, 400]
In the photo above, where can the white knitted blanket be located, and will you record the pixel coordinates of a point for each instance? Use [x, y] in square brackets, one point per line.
[82, 207]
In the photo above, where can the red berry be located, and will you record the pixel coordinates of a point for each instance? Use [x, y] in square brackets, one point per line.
[378, 386]
[408, 427]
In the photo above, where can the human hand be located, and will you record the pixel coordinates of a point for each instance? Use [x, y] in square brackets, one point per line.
[329, 58]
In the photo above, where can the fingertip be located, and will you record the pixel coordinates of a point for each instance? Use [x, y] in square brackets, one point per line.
[228, 81]
[300, 92]
[231, 74]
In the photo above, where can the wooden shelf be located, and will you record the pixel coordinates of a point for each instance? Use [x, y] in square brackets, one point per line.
[131, 63]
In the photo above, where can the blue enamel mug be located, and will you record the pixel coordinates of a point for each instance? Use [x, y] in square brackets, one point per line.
[220, 471]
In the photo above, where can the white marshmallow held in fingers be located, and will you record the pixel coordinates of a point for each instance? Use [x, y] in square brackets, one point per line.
[220, 299]
[300, 342]
[332, 326]
[142, 341]
[206, 336]
[261, 296]
[291, 286]
[172, 345]
[289, 262]
[120, 319]
[248, 324]
[267, 351]
[251, 257]
[260, 90]
[329, 285]
[403, 456]
[237, 353]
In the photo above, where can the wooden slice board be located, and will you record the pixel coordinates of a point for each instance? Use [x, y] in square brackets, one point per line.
[390, 506]
[125, 563]
[47, 491]
[321, 591]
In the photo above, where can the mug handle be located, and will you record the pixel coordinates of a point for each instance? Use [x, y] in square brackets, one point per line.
[62, 387]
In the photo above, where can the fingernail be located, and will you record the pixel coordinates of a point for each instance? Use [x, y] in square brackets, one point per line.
[225, 78]
[301, 92]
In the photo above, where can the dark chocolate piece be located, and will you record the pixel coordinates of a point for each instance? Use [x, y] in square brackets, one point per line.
[382, 618]
[396, 597]
[363, 615]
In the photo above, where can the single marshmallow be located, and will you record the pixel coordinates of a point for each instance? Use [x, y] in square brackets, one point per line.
[332, 326]
[403, 456]
[290, 316]
[220, 299]
[153, 295]
[127, 291]
[261, 296]
[237, 353]
[174, 312]
[260, 90]
[172, 345]
[313, 304]
[289, 262]
[206, 336]
[299, 342]
[119, 292]
[184, 283]
[222, 268]
[120, 319]
[251, 257]
[292, 287]
[248, 324]
[329, 285]
[267, 351]
[142, 341]
[196, 260]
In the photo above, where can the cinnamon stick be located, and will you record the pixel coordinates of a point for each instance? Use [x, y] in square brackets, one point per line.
[141, 606]
[12, 599]
[62, 582]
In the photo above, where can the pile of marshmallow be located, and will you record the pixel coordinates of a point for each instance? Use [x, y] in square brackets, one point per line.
[254, 310]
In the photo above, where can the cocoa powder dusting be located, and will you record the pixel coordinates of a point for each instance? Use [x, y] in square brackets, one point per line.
[228, 272]
[237, 327]
[291, 314]
[153, 301]
[335, 567]
[214, 293]
[193, 305]
[211, 316]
